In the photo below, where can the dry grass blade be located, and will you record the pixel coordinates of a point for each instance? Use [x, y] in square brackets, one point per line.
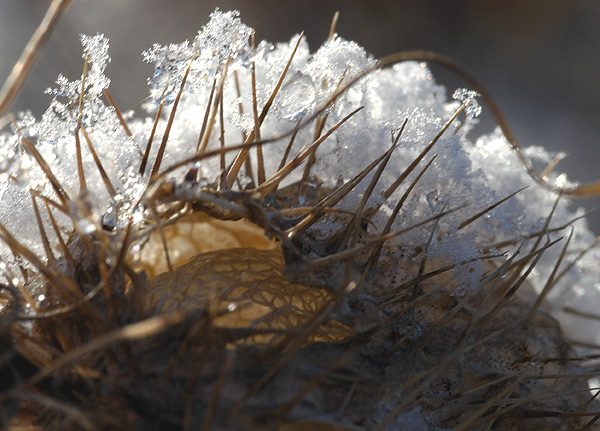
[342, 324]
[538, 233]
[328, 260]
[63, 284]
[359, 216]
[247, 163]
[63, 245]
[551, 166]
[334, 197]
[294, 163]
[537, 241]
[46, 244]
[390, 190]
[260, 160]
[62, 195]
[424, 258]
[514, 288]
[579, 313]
[105, 178]
[334, 21]
[288, 148]
[319, 126]
[497, 401]
[580, 410]
[398, 207]
[154, 125]
[163, 144]
[577, 259]
[193, 172]
[497, 277]
[70, 411]
[118, 112]
[30, 54]
[213, 111]
[135, 331]
[80, 171]
[488, 209]
[223, 174]
[241, 157]
[271, 99]
[390, 297]
[214, 399]
[163, 239]
[550, 283]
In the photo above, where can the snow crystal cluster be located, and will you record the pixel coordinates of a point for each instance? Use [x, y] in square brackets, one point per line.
[466, 175]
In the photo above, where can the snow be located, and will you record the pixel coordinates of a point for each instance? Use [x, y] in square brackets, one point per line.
[466, 176]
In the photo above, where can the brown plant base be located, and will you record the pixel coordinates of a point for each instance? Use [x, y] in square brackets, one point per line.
[226, 341]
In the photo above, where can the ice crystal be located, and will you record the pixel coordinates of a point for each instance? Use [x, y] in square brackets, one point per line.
[468, 98]
[297, 97]
[223, 37]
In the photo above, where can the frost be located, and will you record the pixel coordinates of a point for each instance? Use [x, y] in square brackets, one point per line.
[223, 37]
[466, 176]
[468, 98]
[95, 52]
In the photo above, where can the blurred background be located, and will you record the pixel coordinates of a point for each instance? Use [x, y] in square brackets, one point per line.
[539, 60]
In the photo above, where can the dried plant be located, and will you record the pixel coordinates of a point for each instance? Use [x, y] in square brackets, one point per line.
[295, 273]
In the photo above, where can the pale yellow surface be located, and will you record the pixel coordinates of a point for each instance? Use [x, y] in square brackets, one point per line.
[199, 233]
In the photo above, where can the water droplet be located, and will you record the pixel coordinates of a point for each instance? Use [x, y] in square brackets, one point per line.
[432, 199]
[42, 301]
[561, 180]
[246, 182]
[138, 217]
[109, 219]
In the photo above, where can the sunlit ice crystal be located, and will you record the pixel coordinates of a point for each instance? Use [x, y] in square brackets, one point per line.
[95, 53]
[225, 36]
[468, 98]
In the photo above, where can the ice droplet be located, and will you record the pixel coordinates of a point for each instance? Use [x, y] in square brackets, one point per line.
[110, 218]
[8, 153]
[432, 199]
[468, 98]
[297, 97]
